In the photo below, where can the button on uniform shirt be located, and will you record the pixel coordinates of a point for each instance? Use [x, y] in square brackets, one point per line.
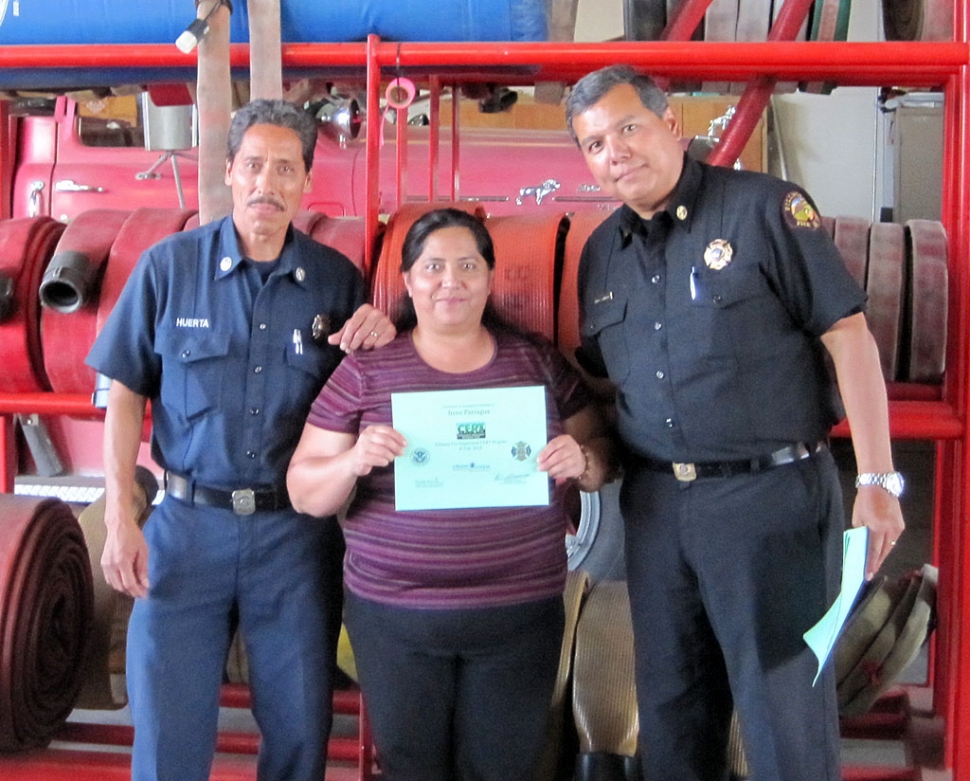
[231, 361]
[707, 317]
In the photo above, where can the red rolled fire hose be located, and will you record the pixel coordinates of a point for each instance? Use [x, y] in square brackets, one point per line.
[46, 608]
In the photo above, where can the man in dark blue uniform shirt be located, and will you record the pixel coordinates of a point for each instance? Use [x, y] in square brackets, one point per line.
[709, 299]
[230, 330]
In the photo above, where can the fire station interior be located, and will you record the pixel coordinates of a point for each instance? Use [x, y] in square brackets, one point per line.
[869, 120]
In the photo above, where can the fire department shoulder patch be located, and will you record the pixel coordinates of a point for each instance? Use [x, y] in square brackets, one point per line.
[799, 213]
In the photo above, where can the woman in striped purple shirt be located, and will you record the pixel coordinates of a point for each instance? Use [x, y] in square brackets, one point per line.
[455, 616]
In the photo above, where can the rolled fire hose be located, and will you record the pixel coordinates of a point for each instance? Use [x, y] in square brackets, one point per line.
[46, 608]
[26, 244]
[928, 301]
[112, 609]
[604, 695]
[581, 226]
[604, 692]
[522, 290]
[265, 52]
[214, 97]
[886, 286]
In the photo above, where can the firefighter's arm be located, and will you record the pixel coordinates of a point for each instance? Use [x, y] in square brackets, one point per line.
[125, 557]
[863, 390]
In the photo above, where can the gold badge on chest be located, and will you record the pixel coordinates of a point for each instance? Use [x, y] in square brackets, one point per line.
[718, 254]
[320, 328]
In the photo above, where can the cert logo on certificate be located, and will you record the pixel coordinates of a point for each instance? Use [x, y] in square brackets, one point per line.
[470, 448]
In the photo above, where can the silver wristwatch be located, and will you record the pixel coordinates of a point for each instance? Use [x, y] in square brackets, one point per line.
[890, 481]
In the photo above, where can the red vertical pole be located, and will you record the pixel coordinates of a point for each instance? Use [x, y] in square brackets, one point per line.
[401, 172]
[454, 142]
[756, 95]
[8, 155]
[434, 138]
[686, 18]
[8, 454]
[952, 681]
[375, 130]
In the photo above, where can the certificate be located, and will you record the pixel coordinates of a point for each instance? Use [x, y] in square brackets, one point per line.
[822, 637]
[470, 448]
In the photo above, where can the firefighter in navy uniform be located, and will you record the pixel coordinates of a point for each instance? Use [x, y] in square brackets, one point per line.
[710, 299]
[230, 330]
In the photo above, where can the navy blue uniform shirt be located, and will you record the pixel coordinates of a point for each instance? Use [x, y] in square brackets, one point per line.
[230, 362]
[707, 317]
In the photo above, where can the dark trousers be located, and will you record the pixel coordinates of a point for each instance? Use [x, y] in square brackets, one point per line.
[725, 574]
[280, 572]
[457, 695]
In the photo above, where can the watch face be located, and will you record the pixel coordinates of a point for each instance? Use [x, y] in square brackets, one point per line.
[894, 483]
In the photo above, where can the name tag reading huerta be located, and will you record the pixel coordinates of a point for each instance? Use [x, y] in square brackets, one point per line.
[470, 448]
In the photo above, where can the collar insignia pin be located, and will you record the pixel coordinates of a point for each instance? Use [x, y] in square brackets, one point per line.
[320, 329]
[718, 254]
[300, 274]
[226, 263]
[681, 212]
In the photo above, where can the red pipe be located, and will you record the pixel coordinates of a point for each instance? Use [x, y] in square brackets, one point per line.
[401, 160]
[434, 137]
[8, 141]
[339, 748]
[375, 130]
[75, 765]
[955, 577]
[919, 420]
[160, 55]
[455, 141]
[237, 695]
[77, 405]
[751, 106]
[912, 64]
[948, 517]
[855, 63]
[758, 92]
[686, 18]
[8, 455]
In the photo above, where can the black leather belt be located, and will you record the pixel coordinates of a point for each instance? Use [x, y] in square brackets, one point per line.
[242, 501]
[691, 470]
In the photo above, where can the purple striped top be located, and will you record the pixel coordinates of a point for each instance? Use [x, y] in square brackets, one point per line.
[447, 558]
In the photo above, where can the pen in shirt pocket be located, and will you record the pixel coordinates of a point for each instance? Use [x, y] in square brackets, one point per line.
[297, 341]
[693, 283]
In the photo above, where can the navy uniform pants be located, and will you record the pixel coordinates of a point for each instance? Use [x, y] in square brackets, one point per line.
[725, 574]
[457, 695]
[282, 572]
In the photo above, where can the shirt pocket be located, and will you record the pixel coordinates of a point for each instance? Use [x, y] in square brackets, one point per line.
[193, 368]
[732, 311]
[310, 364]
[605, 323]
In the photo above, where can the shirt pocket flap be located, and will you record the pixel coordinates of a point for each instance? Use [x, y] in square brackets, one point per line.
[188, 346]
[602, 314]
[725, 288]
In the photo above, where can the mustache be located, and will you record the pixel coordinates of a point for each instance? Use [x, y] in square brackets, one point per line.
[265, 199]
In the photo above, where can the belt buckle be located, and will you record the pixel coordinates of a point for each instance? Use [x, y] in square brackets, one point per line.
[244, 501]
[685, 472]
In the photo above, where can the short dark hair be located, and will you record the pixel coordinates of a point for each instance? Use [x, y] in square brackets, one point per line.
[281, 113]
[590, 89]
